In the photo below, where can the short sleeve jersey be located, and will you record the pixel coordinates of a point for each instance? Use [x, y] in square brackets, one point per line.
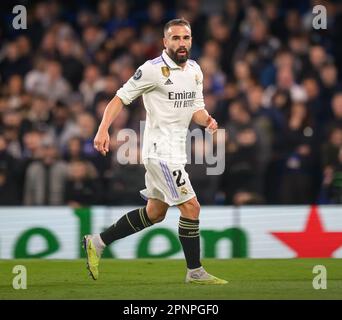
[171, 95]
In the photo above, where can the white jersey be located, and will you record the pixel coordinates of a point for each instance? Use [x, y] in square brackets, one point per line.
[171, 95]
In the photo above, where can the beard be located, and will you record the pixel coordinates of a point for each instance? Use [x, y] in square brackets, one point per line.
[176, 57]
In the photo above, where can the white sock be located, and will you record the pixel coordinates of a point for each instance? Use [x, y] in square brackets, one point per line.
[197, 269]
[98, 242]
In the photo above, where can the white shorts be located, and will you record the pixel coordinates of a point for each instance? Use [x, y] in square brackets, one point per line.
[167, 182]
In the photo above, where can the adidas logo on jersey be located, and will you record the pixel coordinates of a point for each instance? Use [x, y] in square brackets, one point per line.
[168, 81]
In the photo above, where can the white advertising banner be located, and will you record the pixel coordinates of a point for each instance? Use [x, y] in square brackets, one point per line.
[226, 232]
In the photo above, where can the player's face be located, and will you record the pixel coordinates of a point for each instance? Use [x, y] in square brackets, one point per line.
[177, 41]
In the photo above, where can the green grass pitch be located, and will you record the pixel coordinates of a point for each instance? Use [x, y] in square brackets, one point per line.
[164, 279]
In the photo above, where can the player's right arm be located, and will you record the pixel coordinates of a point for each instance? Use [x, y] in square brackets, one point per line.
[101, 140]
[143, 80]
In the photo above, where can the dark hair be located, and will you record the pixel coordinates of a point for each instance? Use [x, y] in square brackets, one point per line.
[177, 22]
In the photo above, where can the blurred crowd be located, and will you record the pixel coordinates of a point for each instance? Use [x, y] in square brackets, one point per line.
[270, 79]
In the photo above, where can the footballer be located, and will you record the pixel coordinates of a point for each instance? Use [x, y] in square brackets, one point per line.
[172, 91]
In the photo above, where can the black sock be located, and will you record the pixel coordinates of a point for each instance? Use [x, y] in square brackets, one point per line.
[132, 222]
[189, 237]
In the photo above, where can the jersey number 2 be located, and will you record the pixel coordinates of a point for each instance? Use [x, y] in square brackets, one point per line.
[178, 173]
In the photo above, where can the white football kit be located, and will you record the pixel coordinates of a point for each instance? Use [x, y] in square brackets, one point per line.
[171, 95]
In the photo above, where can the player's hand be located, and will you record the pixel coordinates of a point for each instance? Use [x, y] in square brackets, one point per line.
[211, 125]
[101, 142]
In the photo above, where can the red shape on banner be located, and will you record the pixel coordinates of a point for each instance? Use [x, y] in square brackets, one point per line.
[314, 241]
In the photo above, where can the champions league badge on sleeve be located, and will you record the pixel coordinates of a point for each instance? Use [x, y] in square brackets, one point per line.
[137, 74]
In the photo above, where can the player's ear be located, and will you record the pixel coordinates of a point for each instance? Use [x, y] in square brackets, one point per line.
[164, 42]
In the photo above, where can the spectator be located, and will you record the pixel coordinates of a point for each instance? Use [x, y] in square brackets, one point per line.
[318, 110]
[337, 110]
[39, 114]
[9, 174]
[214, 80]
[69, 58]
[14, 93]
[336, 118]
[62, 128]
[298, 147]
[92, 37]
[205, 185]
[8, 190]
[329, 83]
[230, 93]
[87, 126]
[45, 179]
[120, 17]
[91, 85]
[74, 151]
[16, 60]
[256, 38]
[317, 58]
[243, 75]
[298, 44]
[32, 141]
[124, 180]
[332, 168]
[50, 83]
[285, 81]
[111, 84]
[263, 126]
[293, 22]
[242, 150]
[156, 15]
[82, 187]
[276, 23]
[12, 123]
[198, 20]
[48, 46]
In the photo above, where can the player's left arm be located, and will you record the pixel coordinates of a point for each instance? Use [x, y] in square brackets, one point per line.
[202, 118]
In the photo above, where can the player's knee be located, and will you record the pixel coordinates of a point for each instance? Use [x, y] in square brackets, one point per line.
[191, 209]
[156, 213]
[157, 216]
[160, 217]
[196, 208]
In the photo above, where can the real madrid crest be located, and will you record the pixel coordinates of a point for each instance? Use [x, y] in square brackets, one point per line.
[165, 71]
[197, 79]
[184, 190]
